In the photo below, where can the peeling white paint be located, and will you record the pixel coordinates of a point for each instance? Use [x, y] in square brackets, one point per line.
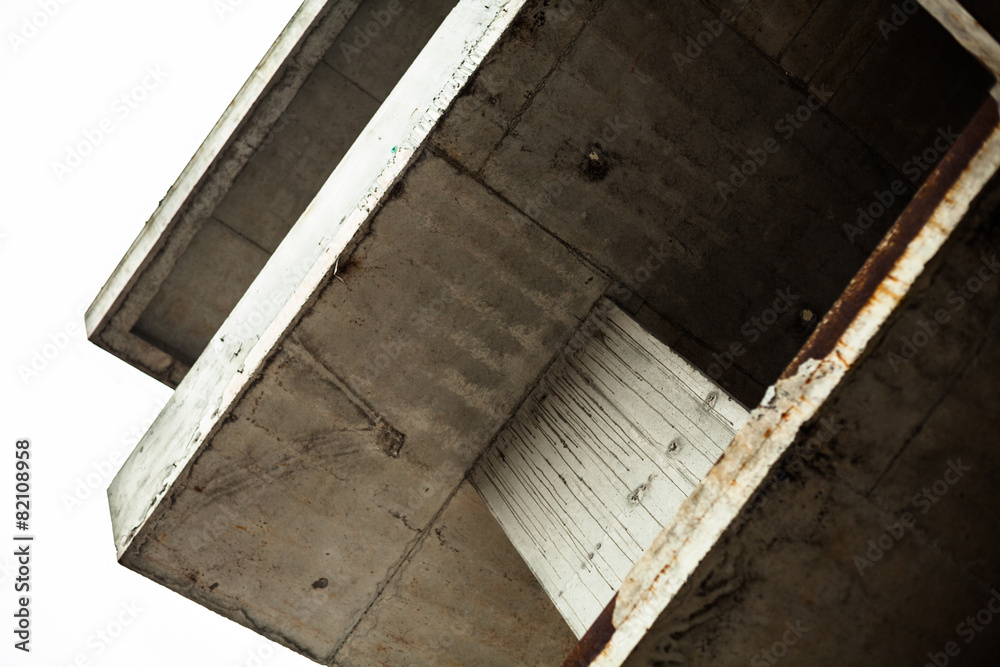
[325, 231]
[617, 434]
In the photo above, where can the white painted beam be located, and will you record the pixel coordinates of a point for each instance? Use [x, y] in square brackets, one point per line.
[967, 30]
[302, 263]
[595, 463]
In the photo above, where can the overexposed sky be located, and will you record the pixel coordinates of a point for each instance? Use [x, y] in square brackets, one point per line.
[103, 104]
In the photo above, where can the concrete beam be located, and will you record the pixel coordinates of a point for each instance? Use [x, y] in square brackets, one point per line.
[253, 177]
[616, 435]
[266, 489]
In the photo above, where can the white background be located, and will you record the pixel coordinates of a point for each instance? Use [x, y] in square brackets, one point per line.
[60, 239]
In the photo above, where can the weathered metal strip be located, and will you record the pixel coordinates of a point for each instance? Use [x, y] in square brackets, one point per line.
[921, 210]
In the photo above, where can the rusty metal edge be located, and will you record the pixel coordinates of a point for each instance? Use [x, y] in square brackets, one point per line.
[594, 639]
[906, 228]
[859, 294]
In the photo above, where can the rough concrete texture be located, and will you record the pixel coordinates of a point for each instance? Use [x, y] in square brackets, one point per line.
[449, 308]
[183, 313]
[579, 157]
[285, 174]
[871, 54]
[382, 39]
[618, 129]
[294, 535]
[879, 547]
[684, 138]
[300, 129]
[838, 344]
[506, 619]
[304, 146]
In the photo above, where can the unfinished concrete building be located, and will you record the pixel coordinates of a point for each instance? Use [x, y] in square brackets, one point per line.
[583, 332]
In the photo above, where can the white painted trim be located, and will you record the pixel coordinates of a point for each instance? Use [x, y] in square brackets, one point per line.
[618, 432]
[967, 30]
[224, 132]
[303, 261]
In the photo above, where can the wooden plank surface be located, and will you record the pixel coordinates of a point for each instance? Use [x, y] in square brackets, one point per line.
[593, 466]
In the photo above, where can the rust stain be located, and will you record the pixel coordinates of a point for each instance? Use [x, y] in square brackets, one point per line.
[868, 281]
[871, 281]
[594, 640]
[635, 63]
[241, 527]
[864, 287]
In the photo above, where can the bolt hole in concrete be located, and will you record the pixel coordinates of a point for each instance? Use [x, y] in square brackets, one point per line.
[596, 164]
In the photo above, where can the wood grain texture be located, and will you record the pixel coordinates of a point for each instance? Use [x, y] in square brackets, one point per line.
[593, 466]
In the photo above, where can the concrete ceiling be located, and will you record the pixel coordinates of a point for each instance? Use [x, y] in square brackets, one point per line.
[363, 273]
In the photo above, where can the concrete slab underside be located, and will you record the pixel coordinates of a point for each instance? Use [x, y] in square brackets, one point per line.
[298, 128]
[664, 140]
[339, 506]
[883, 542]
[307, 142]
[297, 520]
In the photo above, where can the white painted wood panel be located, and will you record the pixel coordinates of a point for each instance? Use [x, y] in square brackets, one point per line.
[594, 465]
